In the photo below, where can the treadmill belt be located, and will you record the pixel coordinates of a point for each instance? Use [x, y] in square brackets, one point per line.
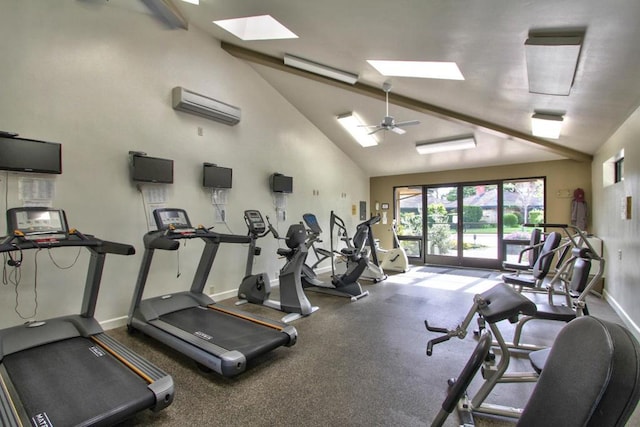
[73, 381]
[227, 331]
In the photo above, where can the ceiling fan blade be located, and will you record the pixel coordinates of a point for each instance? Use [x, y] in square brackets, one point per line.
[374, 131]
[368, 126]
[408, 123]
[397, 130]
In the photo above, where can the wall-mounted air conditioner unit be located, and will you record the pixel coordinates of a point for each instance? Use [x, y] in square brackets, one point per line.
[194, 103]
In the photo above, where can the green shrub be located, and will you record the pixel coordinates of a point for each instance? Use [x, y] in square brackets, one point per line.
[536, 217]
[511, 220]
[472, 213]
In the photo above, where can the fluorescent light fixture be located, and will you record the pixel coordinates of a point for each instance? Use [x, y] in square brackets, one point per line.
[323, 70]
[263, 27]
[192, 1]
[448, 144]
[551, 63]
[358, 130]
[422, 69]
[546, 125]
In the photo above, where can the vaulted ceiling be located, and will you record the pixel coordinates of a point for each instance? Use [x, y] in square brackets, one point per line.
[486, 38]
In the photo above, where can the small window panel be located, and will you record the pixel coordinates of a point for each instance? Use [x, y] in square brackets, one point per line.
[618, 170]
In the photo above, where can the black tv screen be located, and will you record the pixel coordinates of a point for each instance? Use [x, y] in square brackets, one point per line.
[281, 183]
[152, 169]
[216, 176]
[29, 155]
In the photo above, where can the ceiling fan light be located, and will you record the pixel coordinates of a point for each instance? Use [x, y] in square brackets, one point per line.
[449, 144]
[357, 129]
[546, 125]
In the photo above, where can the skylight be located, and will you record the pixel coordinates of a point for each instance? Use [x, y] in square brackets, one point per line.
[421, 69]
[263, 27]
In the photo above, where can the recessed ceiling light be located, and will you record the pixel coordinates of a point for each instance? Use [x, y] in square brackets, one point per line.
[422, 69]
[356, 127]
[263, 27]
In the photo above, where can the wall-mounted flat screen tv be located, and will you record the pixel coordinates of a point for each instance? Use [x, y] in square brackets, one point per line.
[216, 176]
[281, 183]
[151, 169]
[29, 155]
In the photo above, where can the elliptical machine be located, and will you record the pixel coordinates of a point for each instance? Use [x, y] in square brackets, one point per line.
[256, 288]
[346, 284]
[394, 259]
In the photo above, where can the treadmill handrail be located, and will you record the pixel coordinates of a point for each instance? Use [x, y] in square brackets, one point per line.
[12, 243]
[170, 241]
[109, 247]
[75, 239]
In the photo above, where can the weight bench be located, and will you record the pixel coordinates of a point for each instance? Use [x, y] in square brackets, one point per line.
[499, 303]
[565, 394]
[532, 251]
[575, 293]
[540, 268]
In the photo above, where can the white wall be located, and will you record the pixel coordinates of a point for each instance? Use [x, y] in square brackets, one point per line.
[621, 237]
[97, 76]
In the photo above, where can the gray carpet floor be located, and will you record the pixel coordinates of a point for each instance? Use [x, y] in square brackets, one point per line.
[357, 363]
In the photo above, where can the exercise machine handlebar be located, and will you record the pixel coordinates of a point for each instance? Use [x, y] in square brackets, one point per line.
[459, 332]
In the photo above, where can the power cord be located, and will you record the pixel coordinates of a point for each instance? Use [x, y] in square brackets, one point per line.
[14, 277]
[67, 267]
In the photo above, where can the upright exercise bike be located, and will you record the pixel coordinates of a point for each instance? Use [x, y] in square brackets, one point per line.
[256, 288]
[394, 259]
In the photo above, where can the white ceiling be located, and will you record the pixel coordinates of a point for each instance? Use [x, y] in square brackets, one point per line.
[484, 37]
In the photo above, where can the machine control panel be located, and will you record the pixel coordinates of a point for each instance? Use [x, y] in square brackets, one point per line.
[173, 220]
[255, 222]
[37, 223]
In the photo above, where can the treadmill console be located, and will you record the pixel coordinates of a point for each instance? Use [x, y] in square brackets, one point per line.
[173, 220]
[37, 223]
[254, 221]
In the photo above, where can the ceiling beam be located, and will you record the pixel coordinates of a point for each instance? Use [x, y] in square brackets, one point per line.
[168, 12]
[411, 103]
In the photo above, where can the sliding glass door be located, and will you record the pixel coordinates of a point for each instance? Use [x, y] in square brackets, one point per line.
[409, 209]
[472, 225]
[462, 225]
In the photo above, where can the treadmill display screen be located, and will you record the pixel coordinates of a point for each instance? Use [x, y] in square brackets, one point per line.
[35, 221]
[169, 218]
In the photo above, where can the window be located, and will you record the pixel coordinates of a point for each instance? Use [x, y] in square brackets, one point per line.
[613, 169]
[618, 170]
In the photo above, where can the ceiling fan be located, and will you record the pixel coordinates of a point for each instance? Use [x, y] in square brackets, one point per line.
[389, 123]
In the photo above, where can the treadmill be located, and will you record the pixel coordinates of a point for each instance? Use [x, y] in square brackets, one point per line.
[218, 338]
[66, 371]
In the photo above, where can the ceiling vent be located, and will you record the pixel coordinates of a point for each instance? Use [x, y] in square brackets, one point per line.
[194, 103]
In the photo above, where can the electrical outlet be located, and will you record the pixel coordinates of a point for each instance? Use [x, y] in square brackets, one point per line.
[620, 254]
[200, 131]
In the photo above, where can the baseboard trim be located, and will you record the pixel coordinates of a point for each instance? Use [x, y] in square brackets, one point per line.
[633, 327]
[118, 322]
[114, 323]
